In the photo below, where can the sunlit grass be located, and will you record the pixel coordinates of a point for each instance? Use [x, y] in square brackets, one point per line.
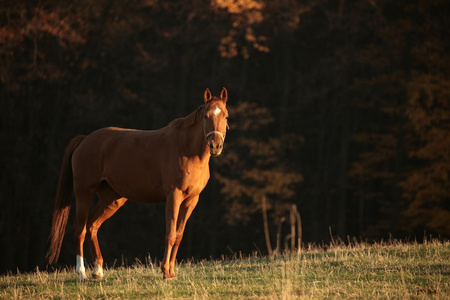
[360, 271]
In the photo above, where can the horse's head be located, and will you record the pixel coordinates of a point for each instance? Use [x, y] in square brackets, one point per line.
[215, 123]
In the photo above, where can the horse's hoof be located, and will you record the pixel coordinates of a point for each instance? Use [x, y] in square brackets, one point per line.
[169, 277]
[82, 276]
[98, 272]
[97, 276]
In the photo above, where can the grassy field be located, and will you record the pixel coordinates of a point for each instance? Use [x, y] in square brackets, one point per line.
[398, 271]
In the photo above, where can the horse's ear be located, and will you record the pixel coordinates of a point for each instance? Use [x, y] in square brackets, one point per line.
[224, 95]
[208, 95]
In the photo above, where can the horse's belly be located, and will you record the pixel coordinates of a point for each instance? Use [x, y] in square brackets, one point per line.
[139, 192]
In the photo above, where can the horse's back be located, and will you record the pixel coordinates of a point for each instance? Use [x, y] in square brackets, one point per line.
[93, 148]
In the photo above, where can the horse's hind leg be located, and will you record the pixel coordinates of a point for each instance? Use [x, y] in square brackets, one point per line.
[109, 203]
[83, 203]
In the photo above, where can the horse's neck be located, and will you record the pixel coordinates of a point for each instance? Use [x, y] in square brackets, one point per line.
[194, 143]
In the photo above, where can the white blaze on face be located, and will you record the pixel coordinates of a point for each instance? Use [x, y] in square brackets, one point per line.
[217, 111]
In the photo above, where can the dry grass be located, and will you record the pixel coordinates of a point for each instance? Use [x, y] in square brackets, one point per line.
[359, 271]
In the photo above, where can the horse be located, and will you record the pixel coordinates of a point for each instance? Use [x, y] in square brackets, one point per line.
[168, 165]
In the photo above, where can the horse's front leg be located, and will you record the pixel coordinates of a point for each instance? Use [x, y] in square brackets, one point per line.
[173, 202]
[186, 209]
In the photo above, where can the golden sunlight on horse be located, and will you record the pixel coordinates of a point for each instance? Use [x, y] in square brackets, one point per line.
[169, 165]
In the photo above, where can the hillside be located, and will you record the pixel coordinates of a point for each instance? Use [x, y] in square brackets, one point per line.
[358, 271]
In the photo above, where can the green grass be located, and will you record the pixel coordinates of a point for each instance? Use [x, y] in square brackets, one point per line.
[412, 271]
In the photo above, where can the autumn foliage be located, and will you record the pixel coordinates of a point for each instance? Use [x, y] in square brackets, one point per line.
[340, 108]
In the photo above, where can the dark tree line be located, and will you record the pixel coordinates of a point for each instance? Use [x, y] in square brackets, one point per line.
[340, 108]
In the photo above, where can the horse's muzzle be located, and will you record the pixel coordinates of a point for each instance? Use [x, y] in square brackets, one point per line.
[215, 148]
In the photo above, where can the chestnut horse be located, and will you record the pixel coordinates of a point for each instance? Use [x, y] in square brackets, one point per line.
[167, 165]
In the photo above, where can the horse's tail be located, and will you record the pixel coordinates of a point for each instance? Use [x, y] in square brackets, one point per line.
[63, 201]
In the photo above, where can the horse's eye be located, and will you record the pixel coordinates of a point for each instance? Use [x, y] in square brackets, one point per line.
[205, 117]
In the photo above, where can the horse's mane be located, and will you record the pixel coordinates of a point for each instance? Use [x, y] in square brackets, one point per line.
[189, 120]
